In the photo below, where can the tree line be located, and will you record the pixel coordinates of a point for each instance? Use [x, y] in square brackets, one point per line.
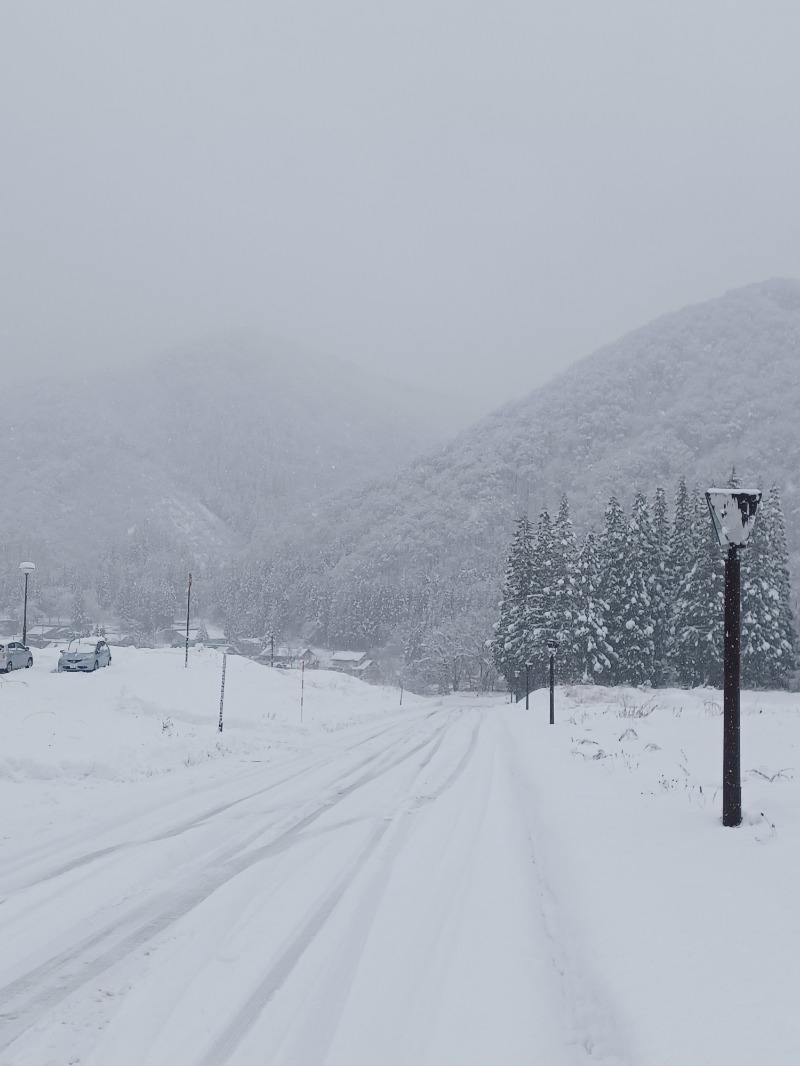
[641, 602]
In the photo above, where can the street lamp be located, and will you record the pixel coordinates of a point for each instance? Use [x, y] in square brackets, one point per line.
[733, 512]
[552, 647]
[26, 568]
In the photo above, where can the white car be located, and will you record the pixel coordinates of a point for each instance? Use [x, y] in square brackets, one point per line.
[84, 654]
[14, 655]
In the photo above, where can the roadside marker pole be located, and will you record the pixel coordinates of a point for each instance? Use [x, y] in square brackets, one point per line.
[222, 690]
[302, 687]
[401, 693]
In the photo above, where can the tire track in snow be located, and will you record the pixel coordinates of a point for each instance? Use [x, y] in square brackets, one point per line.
[239, 1027]
[589, 1020]
[67, 972]
[29, 858]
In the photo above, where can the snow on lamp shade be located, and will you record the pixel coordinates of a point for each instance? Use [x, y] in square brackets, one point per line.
[733, 512]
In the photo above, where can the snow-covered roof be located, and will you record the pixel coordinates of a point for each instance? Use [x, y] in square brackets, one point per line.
[348, 656]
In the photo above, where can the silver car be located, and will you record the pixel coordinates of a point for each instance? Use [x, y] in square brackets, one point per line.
[85, 654]
[14, 655]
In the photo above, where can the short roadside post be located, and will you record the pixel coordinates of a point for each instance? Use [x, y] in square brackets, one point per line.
[527, 684]
[733, 512]
[552, 647]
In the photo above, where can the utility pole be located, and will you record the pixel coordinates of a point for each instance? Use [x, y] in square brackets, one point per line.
[188, 605]
[552, 646]
[302, 687]
[222, 687]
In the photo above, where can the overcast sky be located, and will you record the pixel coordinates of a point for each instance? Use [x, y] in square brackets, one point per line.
[466, 195]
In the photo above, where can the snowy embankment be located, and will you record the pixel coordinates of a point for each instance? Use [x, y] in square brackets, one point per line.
[146, 716]
[683, 932]
[453, 882]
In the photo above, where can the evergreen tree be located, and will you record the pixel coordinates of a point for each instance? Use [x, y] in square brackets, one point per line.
[767, 628]
[566, 596]
[595, 655]
[79, 616]
[660, 587]
[678, 562]
[698, 612]
[635, 645]
[613, 551]
[511, 641]
[542, 617]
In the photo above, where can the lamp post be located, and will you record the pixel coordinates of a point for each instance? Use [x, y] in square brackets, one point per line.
[26, 568]
[527, 683]
[515, 698]
[733, 512]
[552, 647]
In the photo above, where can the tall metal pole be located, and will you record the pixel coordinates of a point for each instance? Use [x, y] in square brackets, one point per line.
[552, 687]
[188, 604]
[222, 688]
[731, 750]
[302, 687]
[25, 613]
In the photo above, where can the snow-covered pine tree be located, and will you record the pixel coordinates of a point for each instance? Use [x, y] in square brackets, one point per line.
[698, 609]
[542, 619]
[511, 641]
[613, 557]
[595, 654]
[636, 647]
[659, 592]
[767, 629]
[678, 562]
[566, 599]
[79, 616]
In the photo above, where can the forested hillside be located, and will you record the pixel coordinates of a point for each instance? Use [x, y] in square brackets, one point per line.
[130, 475]
[691, 395]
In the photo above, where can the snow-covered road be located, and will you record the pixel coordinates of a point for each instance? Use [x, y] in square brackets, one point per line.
[362, 906]
[455, 882]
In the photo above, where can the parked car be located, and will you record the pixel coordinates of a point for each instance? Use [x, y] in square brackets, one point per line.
[84, 653]
[14, 655]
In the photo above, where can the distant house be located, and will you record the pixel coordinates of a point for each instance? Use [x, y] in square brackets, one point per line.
[285, 656]
[40, 636]
[367, 671]
[176, 638]
[250, 647]
[348, 662]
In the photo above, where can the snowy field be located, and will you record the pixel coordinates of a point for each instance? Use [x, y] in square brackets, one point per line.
[449, 883]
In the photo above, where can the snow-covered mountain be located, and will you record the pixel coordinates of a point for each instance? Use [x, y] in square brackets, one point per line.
[692, 394]
[209, 443]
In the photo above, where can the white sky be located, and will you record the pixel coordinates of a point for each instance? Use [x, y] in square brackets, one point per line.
[466, 195]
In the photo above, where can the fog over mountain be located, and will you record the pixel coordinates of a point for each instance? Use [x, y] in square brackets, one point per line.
[311, 494]
[692, 394]
[231, 435]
